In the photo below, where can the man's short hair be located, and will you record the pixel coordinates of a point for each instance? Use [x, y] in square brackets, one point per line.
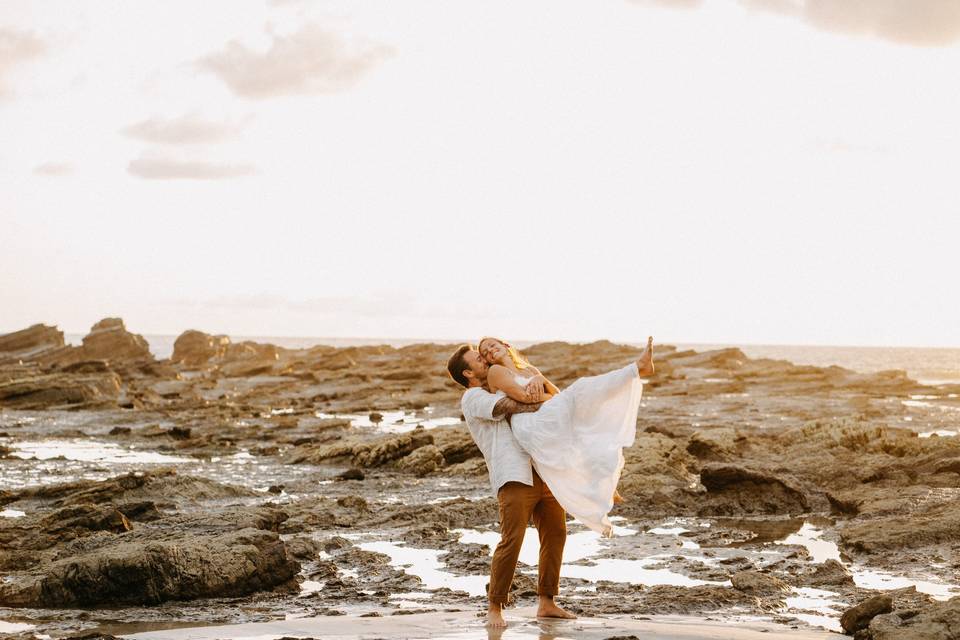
[456, 365]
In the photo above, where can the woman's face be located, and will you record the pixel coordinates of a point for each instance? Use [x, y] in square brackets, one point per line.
[492, 350]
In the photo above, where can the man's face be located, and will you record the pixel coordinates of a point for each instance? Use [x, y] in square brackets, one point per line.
[478, 366]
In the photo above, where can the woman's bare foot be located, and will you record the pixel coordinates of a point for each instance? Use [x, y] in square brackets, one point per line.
[495, 617]
[617, 498]
[645, 361]
[549, 609]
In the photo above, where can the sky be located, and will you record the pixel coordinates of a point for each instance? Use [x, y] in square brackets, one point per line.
[723, 171]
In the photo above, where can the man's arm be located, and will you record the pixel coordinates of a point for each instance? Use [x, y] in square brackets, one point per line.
[506, 407]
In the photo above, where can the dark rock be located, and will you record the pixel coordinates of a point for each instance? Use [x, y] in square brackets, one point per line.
[859, 617]
[179, 433]
[830, 573]
[351, 474]
[162, 483]
[758, 583]
[140, 573]
[737, 489]
[933, 622]
[422, 461]
[142, 511]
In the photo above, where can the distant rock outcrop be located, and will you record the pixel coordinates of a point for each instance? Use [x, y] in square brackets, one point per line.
[198, 349]
[30, 343]
[193, 348]
[110, 340]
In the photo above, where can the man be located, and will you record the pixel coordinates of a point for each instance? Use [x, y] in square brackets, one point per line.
[520, 492]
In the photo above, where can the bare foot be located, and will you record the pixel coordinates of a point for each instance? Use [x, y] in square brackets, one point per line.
[617, 498]
[552, 610]
[495, 618]
[645, 361]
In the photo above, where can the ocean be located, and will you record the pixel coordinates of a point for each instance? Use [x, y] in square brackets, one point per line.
[928, 365]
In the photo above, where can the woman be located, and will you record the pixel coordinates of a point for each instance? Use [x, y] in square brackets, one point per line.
[576, 438]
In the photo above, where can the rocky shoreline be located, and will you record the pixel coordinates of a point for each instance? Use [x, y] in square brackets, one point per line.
[242, 482]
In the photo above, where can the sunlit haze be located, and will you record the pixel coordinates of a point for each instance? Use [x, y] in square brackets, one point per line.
[744, 171]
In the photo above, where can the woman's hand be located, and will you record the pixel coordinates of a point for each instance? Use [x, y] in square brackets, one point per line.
[536, 388]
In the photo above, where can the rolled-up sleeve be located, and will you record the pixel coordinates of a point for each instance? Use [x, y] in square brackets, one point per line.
[479, 403]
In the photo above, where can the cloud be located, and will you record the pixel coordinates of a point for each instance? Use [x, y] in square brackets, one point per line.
[187, 129]
[53, 169]
[17, 47]
[309, 62]
[159, 167]
[916, 22]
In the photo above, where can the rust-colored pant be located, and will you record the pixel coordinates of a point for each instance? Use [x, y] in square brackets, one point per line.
[518, 502]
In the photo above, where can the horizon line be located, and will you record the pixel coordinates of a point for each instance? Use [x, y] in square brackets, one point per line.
[445, 340]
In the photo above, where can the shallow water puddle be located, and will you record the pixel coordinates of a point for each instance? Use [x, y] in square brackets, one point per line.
[584, 546]
[820, 550]
[633, 572]
[424, 564]
[11, 513]
[393, 421]
[579, 546]
[14, 627]
[871, 579]
[820, 602]
[89, 451]
[809, 537]
[941, 433]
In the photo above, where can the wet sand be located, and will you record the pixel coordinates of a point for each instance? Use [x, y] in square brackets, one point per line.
[522, 625]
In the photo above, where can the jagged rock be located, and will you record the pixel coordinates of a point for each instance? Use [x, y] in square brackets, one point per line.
[422, 461]
[828, 574]
[351, 474]
[758, 583]
[110, 340]
[366, 453]
[732, 488]
[30, 343]
[455, 444]
[140, 511]
[713, 444]
[60, 390]
[193, 348]
[937, 621]
[62, 525]
[858, 617]
[141, 573]
[163, 483]
[939, 525]
[731, 358]
[390, 449]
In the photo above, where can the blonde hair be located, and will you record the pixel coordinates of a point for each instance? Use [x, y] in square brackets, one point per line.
[519, 361]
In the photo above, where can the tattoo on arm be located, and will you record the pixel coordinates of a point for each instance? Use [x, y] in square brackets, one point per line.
[509, 406]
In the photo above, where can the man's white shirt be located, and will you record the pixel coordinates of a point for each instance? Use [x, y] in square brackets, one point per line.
[506, 460]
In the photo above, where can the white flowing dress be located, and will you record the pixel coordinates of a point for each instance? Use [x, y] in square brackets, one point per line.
[576, 441]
